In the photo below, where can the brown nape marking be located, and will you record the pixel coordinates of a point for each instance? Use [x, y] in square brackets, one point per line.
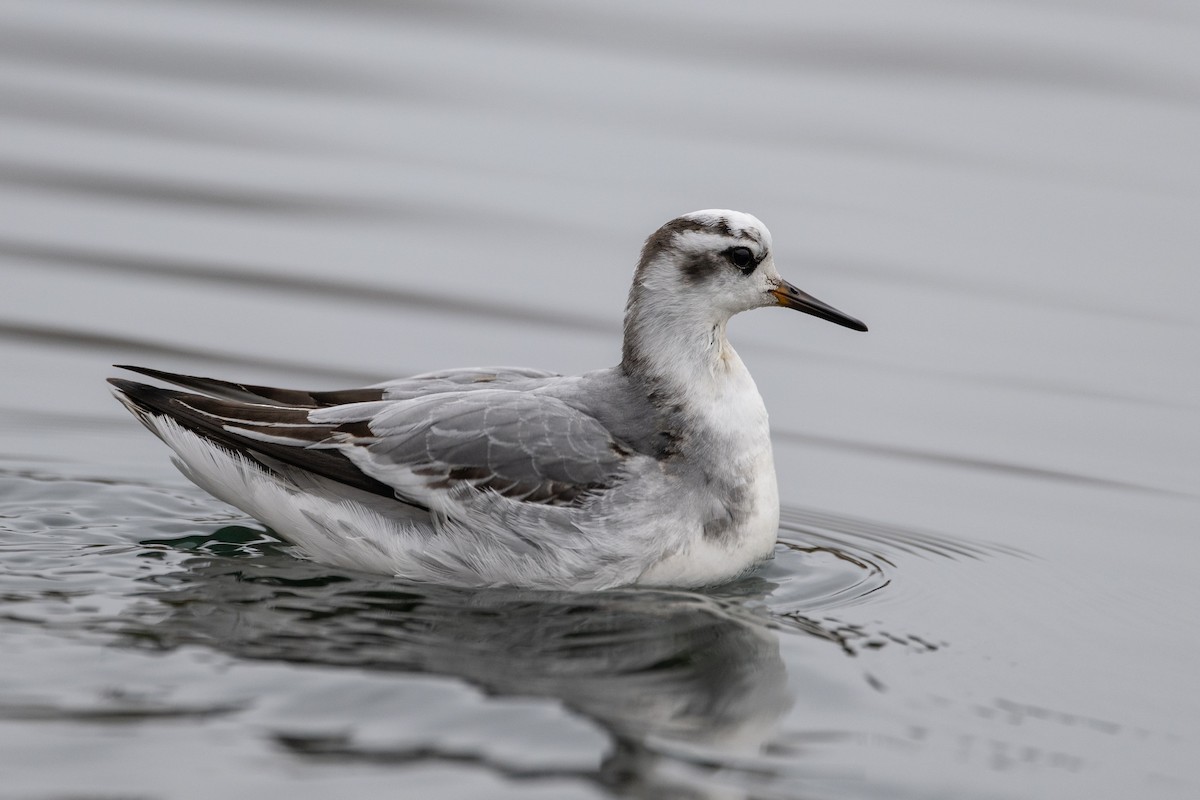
[663, 239]
[697, 269]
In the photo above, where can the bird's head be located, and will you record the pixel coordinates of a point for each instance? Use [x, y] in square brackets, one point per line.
[719, 261]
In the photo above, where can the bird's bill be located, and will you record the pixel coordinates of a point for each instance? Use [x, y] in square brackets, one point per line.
[789, 296]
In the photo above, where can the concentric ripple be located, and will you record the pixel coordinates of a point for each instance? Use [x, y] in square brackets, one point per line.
[825, 561]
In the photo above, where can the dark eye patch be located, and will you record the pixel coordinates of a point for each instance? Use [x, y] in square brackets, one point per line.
[742, 258]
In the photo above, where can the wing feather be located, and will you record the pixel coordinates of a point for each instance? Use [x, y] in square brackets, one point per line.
[278, 432]
[519, 445]
[452, 380]
[485, 436]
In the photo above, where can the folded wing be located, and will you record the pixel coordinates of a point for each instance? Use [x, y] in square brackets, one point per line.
[459, 438]
[520, 445]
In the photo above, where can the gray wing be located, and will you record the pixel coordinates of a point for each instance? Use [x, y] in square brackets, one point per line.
[522, 446]
[459, 435]
[459, 380]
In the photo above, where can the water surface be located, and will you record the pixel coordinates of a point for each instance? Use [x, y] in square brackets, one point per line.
[983, 585]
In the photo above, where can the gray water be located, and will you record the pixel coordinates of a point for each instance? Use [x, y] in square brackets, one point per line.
[985, 584]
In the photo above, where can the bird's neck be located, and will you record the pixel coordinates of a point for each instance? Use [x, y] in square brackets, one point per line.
[678, 352]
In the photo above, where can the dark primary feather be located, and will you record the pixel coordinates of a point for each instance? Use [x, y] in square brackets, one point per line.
[269, 395]
[416, 386]
[209, 416]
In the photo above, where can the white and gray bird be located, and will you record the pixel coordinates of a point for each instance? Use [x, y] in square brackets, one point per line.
[657, 471]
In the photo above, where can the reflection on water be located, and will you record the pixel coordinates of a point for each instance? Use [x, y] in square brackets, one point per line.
[645, 665]
[685, 676]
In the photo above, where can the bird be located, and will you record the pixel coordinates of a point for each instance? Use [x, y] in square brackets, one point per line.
[655, 472]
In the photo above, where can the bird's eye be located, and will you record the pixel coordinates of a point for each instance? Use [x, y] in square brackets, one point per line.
[742, 258]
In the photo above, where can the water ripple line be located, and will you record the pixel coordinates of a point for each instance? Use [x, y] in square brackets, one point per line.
[164, 268]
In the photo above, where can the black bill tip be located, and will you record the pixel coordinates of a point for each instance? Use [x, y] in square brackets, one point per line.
[789, 296]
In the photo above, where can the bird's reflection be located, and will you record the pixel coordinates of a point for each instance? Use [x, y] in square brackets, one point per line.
[645, 665]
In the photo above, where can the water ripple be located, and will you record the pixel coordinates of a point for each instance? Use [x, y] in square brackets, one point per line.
[164, 268]
[972, 462]
[190, 62]
[108, 344]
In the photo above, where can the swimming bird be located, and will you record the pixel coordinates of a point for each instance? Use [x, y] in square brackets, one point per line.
[656, 472]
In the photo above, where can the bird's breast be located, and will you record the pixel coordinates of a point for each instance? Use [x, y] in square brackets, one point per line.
[728, 466]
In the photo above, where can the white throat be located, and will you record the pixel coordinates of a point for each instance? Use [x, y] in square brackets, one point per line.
[683, 350]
